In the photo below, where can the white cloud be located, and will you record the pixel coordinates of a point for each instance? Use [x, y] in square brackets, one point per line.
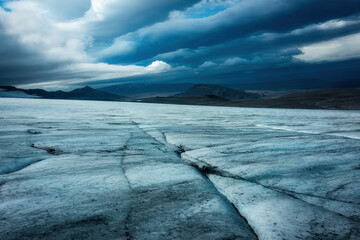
[158, 67]
[104, 71]
[85, 72]
[120, 47]
[107, 19]
[207, 64]
[234, 61]
[342, 48]
[29, 24]
[63, 10]
[61, 49]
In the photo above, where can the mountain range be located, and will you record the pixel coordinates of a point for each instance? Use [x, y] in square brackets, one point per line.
[206, 94]
[85, 93]
[144, 90]
[225, 93]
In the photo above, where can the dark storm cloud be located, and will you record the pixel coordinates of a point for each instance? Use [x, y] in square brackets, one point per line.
[244, 19]
[59, 44]
[44, 41]
[106, 19]
[263, 43]
[18, 64]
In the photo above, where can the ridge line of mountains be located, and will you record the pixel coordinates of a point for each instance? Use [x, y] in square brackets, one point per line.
[203, 94]
[85, 93]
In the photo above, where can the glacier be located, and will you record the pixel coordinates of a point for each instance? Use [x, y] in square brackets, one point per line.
[112, 170]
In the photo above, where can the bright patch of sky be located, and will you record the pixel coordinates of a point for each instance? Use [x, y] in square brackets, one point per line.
[2, 5]
[207, 8]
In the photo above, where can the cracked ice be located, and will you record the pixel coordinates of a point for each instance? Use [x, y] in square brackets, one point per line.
[110, 170]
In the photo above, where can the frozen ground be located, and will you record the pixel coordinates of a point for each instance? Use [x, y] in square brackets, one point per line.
[109, 170]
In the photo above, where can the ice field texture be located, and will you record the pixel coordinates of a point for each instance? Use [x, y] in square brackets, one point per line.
[111, 170]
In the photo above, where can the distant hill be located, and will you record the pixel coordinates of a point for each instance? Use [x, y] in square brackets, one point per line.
[205, 94]
[346, 99]
[93, 94]
[12, 92]
[86, 93]
[210, 100]
[143, 90]
[203, 90]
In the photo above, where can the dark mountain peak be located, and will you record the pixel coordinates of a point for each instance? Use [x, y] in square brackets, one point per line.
[83, 89]
[85, 93]
[203, 85]
[93, 94]
[87, 88]
[202, 90]
[211, 87]
[218, 87]
[9, 88]
[145, 90]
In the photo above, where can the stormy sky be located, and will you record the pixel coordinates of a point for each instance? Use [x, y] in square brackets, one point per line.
[70, 43]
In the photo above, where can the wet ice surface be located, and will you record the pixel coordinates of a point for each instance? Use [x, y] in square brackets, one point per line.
[107, 170]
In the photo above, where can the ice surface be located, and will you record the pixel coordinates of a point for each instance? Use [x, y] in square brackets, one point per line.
[110, 170]
[275, 215]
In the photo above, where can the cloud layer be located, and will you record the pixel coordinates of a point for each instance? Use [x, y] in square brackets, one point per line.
[59, 44]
